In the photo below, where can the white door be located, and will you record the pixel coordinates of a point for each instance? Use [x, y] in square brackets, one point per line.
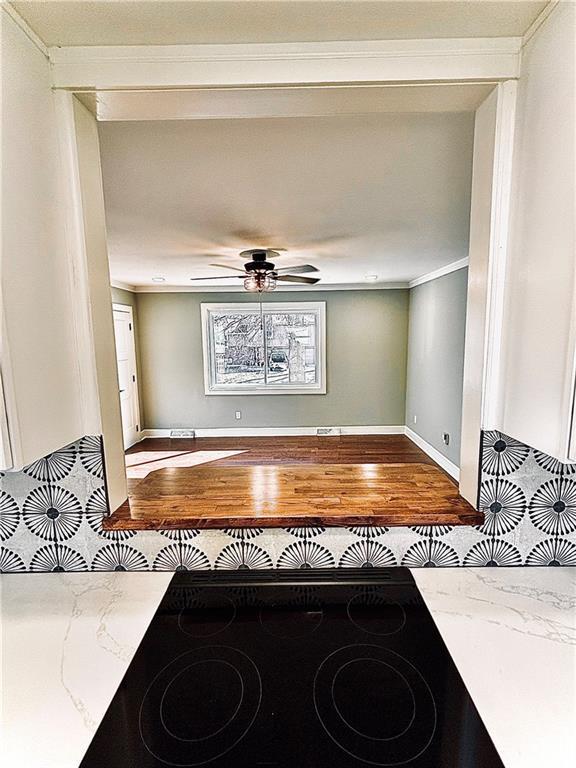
[128, 385]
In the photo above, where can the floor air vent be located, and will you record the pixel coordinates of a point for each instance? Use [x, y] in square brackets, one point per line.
[182, 433]
[328, 431]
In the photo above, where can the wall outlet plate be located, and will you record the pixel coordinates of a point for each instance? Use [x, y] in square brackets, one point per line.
[182, 433]
[446, 438]
[324, 431]
[238, 415]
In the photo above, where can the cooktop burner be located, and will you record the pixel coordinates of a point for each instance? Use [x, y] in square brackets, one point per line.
[202, 703]
[367, 697]
[325, 669]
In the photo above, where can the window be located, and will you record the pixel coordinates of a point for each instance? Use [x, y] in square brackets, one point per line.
[276, 348]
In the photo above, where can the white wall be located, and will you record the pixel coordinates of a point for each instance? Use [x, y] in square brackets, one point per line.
[38, 353]
[535, 397]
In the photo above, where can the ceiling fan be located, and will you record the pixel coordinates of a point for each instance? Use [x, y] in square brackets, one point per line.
[260, 274]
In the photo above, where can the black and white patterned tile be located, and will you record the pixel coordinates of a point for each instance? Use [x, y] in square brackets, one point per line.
[51, 520]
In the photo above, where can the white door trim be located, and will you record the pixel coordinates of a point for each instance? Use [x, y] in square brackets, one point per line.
[331, 64]
[498, 258]
[92, 303]
[489, 221]
[127, 309]
[256, 64]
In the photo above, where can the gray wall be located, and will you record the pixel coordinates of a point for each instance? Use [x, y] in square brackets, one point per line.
[366, 334]
[436, 360]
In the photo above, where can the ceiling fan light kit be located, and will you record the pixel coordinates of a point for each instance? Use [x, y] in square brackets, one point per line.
[261, 276]
[259, 283]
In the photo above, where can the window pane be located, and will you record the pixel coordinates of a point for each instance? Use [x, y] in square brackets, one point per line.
[291, 348]
[238, 348]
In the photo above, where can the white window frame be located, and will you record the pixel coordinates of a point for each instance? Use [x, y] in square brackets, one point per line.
[312, 307]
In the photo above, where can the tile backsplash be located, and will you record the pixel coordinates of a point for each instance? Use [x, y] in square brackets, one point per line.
[51, 514]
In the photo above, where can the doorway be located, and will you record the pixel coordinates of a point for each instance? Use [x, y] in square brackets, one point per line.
[493, 115]
[127, 373]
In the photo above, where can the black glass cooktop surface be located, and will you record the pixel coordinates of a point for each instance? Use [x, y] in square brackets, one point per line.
[325, 669]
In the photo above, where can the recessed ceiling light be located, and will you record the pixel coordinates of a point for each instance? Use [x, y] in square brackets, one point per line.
[371, 278]
[158, 279]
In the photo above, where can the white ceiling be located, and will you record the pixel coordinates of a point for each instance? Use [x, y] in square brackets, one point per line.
[383, 194]
[162, 22]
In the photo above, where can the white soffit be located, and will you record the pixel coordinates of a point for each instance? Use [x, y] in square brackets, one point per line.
[226, 103]
[161, 22]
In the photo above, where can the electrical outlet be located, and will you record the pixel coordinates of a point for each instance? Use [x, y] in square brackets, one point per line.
[415, 419]
[446, 438]
[238, 415]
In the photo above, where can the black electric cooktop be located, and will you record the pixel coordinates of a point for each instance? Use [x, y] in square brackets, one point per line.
[315, 669]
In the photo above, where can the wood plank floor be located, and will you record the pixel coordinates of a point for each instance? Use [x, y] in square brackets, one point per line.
[288, 481]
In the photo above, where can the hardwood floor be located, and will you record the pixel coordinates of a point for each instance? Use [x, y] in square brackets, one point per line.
[346, 449]
[287, 481]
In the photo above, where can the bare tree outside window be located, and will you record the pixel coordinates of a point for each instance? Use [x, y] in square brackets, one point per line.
[238, 348]
[250, 348]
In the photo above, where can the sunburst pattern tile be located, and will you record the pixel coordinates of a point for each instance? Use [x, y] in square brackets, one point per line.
[51, 514]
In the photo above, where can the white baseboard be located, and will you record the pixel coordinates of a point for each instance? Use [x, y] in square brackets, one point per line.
[373, 430]
[445, 463]
[277, 431]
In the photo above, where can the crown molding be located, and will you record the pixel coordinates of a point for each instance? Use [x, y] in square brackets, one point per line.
[383, 61]
[539, 21]
[123, 286]
[25, 27]
[161, 288]
[435, 274]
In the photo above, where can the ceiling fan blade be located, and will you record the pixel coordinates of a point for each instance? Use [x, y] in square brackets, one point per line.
[299, 268]
[220, 277]
[225, 266]
[298, 279]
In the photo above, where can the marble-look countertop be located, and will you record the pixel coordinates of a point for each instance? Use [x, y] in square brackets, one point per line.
[512, 635]
[67, 640]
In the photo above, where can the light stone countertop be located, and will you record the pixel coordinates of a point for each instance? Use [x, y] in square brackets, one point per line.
[69, 638]
[512, 635]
